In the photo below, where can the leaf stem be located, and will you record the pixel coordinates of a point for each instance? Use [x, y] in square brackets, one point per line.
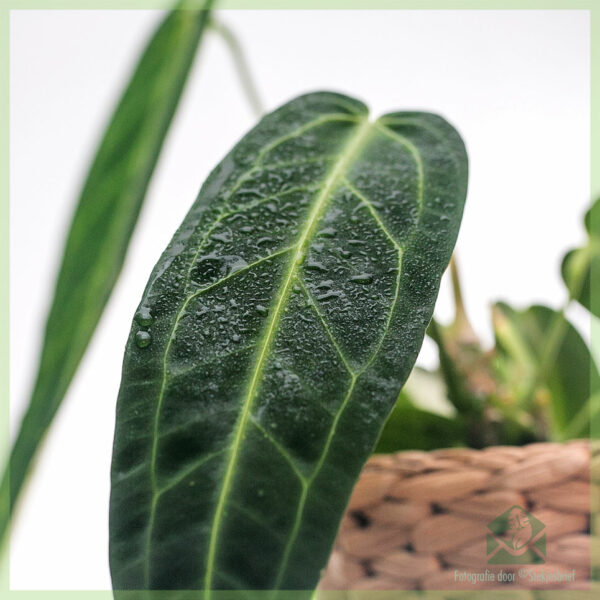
[462, 330]
[458, 394]
[459, 305]
[241, 65]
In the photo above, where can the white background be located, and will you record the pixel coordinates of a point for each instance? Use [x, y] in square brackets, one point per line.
[516, 85]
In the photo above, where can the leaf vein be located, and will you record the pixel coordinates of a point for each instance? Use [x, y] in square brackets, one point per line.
[302, 502]
[256, 518]
[389, 317]
[433, 130]
[326, 327]
[177, 479]
[330, 184]
[284, 453]
[218, 358]
[305, 491]
[258, 202]
[414, 151]
[371, 208]
[158, 409]
[297, 163]
[207, 288]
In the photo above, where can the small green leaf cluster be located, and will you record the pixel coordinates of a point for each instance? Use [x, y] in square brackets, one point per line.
[538, 382]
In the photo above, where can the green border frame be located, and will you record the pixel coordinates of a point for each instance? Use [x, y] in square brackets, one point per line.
[593, 6]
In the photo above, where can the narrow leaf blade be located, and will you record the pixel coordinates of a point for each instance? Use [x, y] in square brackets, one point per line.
[104, 220]
[272, 341]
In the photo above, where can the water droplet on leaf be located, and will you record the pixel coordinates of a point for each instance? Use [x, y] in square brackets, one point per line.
[313, 265]
[328, 232]
[142, 339]
[362, 278]
[143, 316]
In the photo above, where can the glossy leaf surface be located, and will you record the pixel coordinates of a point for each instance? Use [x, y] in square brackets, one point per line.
[272, 341]
[99, 235]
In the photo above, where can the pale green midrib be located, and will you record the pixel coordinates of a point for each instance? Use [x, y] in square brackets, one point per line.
[156, 491]
[305, 489]
[331, 183]
[325, 118]
[305, 127]
[414, 151]
[354, 378]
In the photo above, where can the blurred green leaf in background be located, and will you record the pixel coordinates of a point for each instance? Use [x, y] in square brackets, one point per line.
[578, 264]
[102, 226]
[560, 382]
[536, 382]
[423, 415]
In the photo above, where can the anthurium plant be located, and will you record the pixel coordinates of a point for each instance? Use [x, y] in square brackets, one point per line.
[272, 350]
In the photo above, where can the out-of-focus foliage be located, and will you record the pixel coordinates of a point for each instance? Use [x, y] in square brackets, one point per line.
[579, 264]
[536, 383]
[102, 226]
[553, 387]
[423, 415]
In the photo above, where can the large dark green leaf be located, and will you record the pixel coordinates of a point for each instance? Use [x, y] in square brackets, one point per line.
[102, 225]
[562, 389]
[272, 341]
[578, 265]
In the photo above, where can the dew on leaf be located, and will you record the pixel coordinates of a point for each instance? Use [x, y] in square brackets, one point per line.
[330, 294]
[142, 339]
[362, 278]
[327, 232]
[143, 317]
[264, 240]
[225, 236]
[212, 266]
[313, 265]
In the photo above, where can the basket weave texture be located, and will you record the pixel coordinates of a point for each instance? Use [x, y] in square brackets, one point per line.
[418, 520]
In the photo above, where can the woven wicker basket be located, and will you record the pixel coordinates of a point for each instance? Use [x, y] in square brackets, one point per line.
[419, 520]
